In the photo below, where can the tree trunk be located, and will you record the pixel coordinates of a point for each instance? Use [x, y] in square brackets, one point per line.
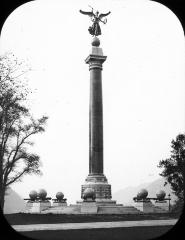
[2, 187]
[2, 197]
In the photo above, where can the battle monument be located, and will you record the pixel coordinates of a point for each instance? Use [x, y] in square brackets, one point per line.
[96, 194]
[96, 179]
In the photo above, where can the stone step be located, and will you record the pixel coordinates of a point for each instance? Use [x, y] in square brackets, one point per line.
[64, 210]
[77, 209]
[117, 210]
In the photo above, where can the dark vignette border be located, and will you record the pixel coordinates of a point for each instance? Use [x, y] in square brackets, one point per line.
[6, 8]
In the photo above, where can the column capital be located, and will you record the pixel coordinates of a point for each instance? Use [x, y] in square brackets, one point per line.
[95, 61]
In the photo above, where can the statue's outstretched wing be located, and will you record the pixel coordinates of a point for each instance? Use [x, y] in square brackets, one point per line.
[104, 15]
[90, 14]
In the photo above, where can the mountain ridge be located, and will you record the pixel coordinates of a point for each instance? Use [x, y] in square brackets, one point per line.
[14, 203]
[126, 195]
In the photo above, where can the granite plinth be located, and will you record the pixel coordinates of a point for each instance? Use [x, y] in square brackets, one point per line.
[37, 207]
[162, 205]
[98, 182]
[29, 206]
[102, 190]
[149, 207]
[145, 206]
[89, 207]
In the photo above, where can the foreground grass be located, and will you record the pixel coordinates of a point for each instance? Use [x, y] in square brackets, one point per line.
[126, 233]
[27, 218]
[138, 233]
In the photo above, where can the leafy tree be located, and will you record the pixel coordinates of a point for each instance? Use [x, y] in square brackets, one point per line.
[174, 167]
[17, 126]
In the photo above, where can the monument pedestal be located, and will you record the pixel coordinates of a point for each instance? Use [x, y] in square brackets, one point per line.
[163, 205]
[29, 205]
[100, 185]
[89, 207]
[37, 207]
[144, 206]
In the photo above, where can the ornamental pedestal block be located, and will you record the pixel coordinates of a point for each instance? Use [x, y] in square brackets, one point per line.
[145, 206]
[162, 205]
[89, 207]
[38, 206]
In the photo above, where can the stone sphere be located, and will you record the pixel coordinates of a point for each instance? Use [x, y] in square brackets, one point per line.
[59, 196]
[160, 195]
[42, 194]
[142, 194]
[33, 195]
[89, 193]
[95, 42]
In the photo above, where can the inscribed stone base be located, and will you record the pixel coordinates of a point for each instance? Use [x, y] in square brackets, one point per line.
[99, 183]
[37, 207]
[89, 207]
[145, 206]
[29, 205]
[162, 205]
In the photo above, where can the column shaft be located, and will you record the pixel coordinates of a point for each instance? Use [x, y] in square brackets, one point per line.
[95, 123]
[96, 179]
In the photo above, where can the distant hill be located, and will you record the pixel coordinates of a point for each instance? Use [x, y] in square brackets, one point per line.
[125, 196]
[13, 202]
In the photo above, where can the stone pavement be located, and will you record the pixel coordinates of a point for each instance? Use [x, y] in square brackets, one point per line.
[90, 225]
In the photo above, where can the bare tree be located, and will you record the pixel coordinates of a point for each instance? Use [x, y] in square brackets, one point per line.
[16, 127]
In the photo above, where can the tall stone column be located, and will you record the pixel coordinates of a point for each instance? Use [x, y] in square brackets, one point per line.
[95, 114]
[96, 178]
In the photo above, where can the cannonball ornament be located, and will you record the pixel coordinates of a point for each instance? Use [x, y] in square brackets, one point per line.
[89, 193]
[33, 195]
[59, 196]
[160, 195]
[42, 194]
[95, 42]
[142, 194]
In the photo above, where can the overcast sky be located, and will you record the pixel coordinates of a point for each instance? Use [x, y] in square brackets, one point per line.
[143, 88]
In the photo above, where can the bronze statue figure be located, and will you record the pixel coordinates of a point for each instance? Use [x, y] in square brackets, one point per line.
[95, 29]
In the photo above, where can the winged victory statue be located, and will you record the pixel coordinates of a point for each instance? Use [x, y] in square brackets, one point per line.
[95, 29]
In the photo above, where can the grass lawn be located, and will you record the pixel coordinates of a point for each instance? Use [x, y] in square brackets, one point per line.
[27, 218]
[127, 233]
[136, 233]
